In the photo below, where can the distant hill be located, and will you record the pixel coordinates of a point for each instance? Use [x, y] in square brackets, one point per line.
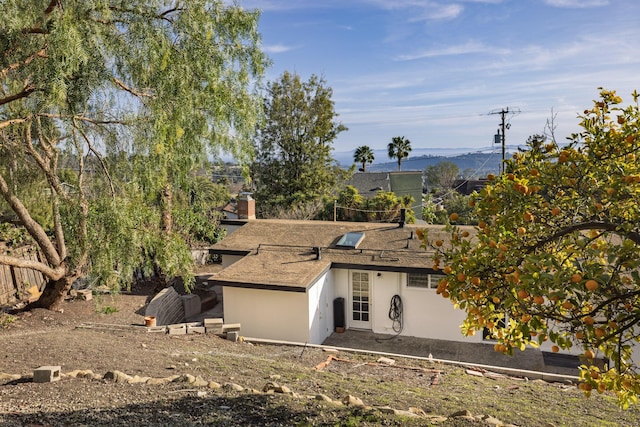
[472, 165]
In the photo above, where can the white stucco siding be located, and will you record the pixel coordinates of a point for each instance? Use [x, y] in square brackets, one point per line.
[320, 300]
[384, 287]
[268, 314]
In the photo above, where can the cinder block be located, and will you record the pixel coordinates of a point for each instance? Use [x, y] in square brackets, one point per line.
[196, 329]
[180, 329]
[46, 374]
[157, 329]
[233, 336]
[231, 327]
[213, 326]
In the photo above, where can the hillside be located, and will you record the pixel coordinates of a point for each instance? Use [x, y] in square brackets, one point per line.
[476, 164]
[115, 373]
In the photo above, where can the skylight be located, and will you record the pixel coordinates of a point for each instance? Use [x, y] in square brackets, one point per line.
[350, 240]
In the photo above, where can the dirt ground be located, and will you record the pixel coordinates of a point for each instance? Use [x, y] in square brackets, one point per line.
[107, 334]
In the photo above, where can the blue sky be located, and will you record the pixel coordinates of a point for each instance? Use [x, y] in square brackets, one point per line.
[432, 71]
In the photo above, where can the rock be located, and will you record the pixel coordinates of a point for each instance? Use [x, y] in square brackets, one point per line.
[200, 382]
[419, 412]
[159, 381]
[386, 361]
[407, 414]
[489, 420]
[474, 373]
[386, 409]
[270, 386]
[185, 378]
[330, 350]
[350, 400]
[274, 377]
[214, 385]
[283, 389]
[201, 393]
[117, 376]
[9, 377]
[138, 380]
[462, 413]
[435, 419]
[323, 397]
[232, 387]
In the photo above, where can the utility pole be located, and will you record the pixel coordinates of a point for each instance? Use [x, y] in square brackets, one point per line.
[504, 126]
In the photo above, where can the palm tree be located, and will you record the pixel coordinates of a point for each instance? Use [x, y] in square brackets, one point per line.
[364, 155]
[399, 148]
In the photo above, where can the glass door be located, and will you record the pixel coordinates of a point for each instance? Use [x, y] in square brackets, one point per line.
[360, 300]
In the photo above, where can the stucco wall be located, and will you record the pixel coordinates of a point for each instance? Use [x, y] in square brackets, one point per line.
[274, 315]
[320, 299]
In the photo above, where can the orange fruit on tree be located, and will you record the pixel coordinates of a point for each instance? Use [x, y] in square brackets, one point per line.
[522, 294]
[475, 280]
[522, 231]
[589, 354]
[447, 270]
[600, 332]
[591, 285]
[527, 216]
[555, 348]
[538, 299]
[439, 243]
[461, 277]
[555, 211]
[576, 278]
[588, 320]
[491, 177]
[453, 217]
[567, 305]
[579, 335]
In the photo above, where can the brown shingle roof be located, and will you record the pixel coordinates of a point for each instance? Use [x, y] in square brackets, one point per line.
[280, 252]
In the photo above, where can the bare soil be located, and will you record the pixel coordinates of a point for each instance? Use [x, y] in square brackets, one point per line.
[108, 334]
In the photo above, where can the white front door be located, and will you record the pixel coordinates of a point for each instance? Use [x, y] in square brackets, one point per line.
[360, 306]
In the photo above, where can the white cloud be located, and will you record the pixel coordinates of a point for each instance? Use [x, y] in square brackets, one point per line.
[463, 49]
[277, 48]
[577, 4]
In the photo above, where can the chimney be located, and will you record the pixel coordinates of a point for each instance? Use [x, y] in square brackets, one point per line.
[246, 206]
[317, 251]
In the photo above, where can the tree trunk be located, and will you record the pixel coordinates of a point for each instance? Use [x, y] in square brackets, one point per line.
[53, 294]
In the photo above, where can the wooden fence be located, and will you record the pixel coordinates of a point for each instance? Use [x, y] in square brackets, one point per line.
[17, 284]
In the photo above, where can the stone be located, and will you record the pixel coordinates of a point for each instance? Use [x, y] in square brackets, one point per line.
[232, 336]
[407, 414]
[386, 361]
[386, 409]
[157, 329]
[214, 385]
[117, 376]
[9, 377]
[46, 374]
[330, 350]
[270, 386]
[323, 397]
[489, 420]
[232, 387]
[213, 326]
[200, 382]
[350, 400]
[81, 294]
[138, 380]
[418, 412]
[462, 413]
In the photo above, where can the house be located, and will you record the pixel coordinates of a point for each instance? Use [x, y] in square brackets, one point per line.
[300, 280]
[400, 183]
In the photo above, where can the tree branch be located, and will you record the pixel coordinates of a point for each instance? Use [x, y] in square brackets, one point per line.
[12, 122]
[40, 54]
[131, 91]
[590, 225]
[99, 157]
[35, 230]
[51, 273]
[28, 90]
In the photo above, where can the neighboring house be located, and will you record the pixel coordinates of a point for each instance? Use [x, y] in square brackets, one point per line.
[400, 183]
[468, 186]
[299, 280]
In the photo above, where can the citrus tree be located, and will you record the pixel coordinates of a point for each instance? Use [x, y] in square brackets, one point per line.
[555, 256]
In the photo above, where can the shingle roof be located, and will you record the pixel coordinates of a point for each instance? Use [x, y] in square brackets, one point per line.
[279, 253]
